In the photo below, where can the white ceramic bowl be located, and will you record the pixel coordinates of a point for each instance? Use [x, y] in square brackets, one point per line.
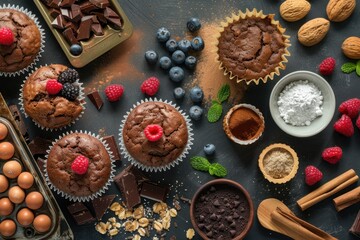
[319, 123]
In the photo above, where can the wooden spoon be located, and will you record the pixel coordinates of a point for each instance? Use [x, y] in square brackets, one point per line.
[276, 216]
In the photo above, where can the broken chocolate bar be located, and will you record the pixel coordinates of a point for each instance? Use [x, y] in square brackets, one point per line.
[127, 184]
[19, 121]
[80, 213]
[101, 204]
[154, 192]
[110, 140]
[39, 146]
[95, 98]
[355, 228]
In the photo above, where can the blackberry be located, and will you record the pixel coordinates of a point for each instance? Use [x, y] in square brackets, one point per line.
[68, 76]
[70, 91]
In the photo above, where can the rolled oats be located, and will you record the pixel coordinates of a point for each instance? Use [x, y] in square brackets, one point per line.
[190, 233]
[157, 226]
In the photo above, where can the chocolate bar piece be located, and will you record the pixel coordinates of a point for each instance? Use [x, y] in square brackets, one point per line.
[100, 3]
[68, 33]
[101, 204]
[110, 140]
[54, 12]
[127, 184]
[355, 228]
[154, 192]
[80, 213]
[66, 3]
[83, 32]
[39, 146]
[19, 121]
[59, 22]
[113, 18]
[95, 98]
[76, 14]
[97, 29]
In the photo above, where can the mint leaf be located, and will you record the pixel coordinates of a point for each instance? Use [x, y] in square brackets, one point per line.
[200, 163]
[218, 170]
[348, 67]
[214, 113]
[358, 68]
[223, 93]
[215, 102]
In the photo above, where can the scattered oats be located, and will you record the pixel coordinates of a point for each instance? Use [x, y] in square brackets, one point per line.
[117, 225]
[115, 207]
[173, 212]
[142, 232]
[166, 225]
[138, 212]
[113, 232]
[100, 227]
[190, 233]
[112, 220]
[128, 213]
[157, 226]
[136, 237]
[143, 222]
[122, 215]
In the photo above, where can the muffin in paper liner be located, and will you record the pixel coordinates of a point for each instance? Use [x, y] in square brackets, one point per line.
[80, 98]
[173, 163]
[95, 194]
[42, 39]
[244, 123]
[263, 49]
[279, 166]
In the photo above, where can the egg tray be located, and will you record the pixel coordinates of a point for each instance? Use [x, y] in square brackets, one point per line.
[60, 229]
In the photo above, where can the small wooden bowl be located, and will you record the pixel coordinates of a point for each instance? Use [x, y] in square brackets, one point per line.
[233, 185]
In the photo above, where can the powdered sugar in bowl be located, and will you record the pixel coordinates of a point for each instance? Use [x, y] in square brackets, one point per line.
[302, 103]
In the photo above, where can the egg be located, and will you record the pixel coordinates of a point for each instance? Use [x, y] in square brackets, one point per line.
[25, 217]
[34, 200]
[25, 180]
[3, 131]
[42, 223]
[16, 194]
[7, 228]
[4, 183]
[6, 150]
[12, 169]
[6, 206]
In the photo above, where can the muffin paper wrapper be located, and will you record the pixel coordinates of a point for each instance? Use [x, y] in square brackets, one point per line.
[133, 161]
[81, 99]
[254, 13]
[42, 36]
[82, 198]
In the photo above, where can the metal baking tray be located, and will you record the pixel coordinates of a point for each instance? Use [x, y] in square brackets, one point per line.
[60, 229]
[96, 45]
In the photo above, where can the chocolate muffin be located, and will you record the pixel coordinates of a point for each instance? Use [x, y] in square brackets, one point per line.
[49, 110]
[61, 157]
[252, 47]
[27, 41]
[169, 147]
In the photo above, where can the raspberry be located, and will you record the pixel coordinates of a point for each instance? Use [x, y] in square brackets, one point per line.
[69, 75]
[153, 132]
[332, 154]
[327, 66]
[150, 86]
[6, 36]
[344, 126]
[80, 164]
[312, 175]
[53, 87]
[358, 122]
[350, 107]
[114, 92]
[70, 91]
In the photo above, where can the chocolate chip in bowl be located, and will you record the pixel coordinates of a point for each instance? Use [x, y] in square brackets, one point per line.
[222, 209]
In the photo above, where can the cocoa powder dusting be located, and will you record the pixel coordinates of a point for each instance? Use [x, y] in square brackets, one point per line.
[245, 124]
[118, 64]
[208, 76]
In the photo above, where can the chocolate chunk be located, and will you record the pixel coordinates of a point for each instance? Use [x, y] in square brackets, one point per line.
[154, 192]
[54, 12]
[127, 184]
[39, 146]
[216, 203]
[95, 98]
[69, 35]
[97, 29]
[83, 33]
[355, 228]
[233, 233]
[40, 162]
[65, 13]
[76, 13]
[100, 16]
[66, 3]
[54, 4]
[100, 3]
[87, 7]
[19, 121]
[113, 18]
[110, 140]
[59, 22]
[71, 25]
[80, 213]
[101, 204]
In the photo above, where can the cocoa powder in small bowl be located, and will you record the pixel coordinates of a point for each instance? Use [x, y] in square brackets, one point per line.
[222, 209]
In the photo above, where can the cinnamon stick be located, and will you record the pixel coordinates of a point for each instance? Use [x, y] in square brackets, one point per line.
[326, 190]
[347, 199]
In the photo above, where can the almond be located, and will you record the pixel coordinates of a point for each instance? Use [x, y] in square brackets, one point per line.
[294, 10]
[340, 10]
[313, 31]
[351, 47]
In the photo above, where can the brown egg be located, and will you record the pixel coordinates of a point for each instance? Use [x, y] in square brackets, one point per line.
[42, 223]
[25, 180]
[12, 169]
[25, 217]
[3, 131]
[16, 194]
[7, 228]
[4, 183]
[6, 150]
[6, 206]
[34, 200]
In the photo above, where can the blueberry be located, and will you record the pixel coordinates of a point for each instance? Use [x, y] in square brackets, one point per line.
[195, 112]
[197, 44]
[171, 45]
[184, 45]
[151, 56]
[196, 95]
[162, 34]
[76, 49]
[165, 62]
[176, 74]
[209, 149]
[193, 24]
[179, 93]
[190, 62]
[178, 57]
